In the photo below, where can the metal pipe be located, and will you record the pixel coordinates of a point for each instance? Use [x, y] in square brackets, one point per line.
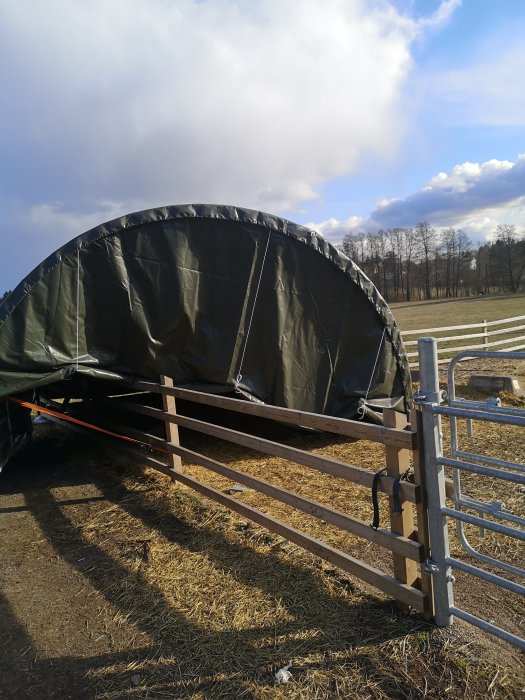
[479, 405]
[489, 509]
[491, 460]
[486, 471]
[481, 415]
[485, 558]
[435, 477]
[488, 627]
[487, 576]
[470, 354]
[483, 522]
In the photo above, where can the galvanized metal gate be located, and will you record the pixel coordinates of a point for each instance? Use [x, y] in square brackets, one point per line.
[466, 510]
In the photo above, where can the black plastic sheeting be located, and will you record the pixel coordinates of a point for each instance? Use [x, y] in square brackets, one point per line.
[217, 297]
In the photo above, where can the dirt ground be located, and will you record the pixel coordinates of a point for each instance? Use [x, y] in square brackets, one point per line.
[115, 583]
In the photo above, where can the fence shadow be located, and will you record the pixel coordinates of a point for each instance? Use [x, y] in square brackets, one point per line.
[195, 668]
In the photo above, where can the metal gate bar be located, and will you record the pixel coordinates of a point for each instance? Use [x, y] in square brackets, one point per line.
[505, 419]
[488, 627]
[486, 471]
[486, 575]
[491, 460]
[441, 564]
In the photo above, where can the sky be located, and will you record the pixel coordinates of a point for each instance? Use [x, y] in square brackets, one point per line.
[344, 115]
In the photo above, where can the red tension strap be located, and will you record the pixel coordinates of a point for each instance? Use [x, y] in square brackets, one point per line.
[70, 419]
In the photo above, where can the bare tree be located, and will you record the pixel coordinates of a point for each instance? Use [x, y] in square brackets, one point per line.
[425, 240]
[448, 244]
[463, 259]
[405, 263]
[354, 245]
[513, 254]
[410, 250]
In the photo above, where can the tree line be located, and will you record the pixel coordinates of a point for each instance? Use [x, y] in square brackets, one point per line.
[408, 264]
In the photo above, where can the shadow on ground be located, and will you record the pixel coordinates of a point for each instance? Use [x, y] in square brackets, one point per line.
[185, 659]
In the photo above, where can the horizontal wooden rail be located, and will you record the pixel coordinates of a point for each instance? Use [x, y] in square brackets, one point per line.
[483, 346]
[504, 331]
[384, 538]
[481, 324]
[330, 424]
[399, 545]
[384, 582]
[364, 477]
[447, 352]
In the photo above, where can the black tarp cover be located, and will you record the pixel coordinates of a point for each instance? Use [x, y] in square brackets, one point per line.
[204, 294]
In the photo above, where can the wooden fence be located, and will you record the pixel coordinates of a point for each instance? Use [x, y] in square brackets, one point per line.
[447, 344]
[410, 585]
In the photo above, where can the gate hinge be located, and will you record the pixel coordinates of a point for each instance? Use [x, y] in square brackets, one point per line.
[432, 397]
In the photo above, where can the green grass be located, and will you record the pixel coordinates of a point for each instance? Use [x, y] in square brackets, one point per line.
[456, 312]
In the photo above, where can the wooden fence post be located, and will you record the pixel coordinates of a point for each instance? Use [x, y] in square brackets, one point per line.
[397, 462]
[172, 429]
[486, 336]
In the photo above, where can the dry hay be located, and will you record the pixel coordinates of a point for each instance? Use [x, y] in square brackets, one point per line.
[225, 604]
[195, 602]
[249, 601]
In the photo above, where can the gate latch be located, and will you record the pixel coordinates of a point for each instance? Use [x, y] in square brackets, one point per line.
[431, 567]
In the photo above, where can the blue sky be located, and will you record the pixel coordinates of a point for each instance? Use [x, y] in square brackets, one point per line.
[341, 114]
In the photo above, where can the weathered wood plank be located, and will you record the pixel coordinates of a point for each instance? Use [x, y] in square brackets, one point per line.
[338, 426]
[384, 538]
[384, 582]
[364, 477]
[172, 429]
[397, 462]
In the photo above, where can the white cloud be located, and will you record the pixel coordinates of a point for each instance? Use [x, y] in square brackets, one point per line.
[32, 232]
[210, 100]
[441, 16]
[334, 230]
[473, 196]
[150, 102]
[470, 189]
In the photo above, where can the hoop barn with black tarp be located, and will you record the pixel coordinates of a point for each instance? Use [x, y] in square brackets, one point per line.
[220, 298]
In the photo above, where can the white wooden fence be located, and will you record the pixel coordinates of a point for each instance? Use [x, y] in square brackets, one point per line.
[446, 343]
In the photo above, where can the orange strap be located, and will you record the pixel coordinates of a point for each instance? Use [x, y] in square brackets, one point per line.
[76, 421]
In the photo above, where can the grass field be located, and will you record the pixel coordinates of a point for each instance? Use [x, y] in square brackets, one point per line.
[458, 312]
[116, 583]
[423, 314]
